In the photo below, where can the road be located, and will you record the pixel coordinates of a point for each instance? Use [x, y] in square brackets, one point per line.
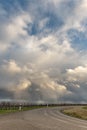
[41, 119]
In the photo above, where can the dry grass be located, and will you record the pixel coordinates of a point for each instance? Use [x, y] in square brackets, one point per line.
[79, 112]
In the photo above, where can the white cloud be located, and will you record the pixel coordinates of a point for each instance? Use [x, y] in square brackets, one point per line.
[11, 67]
[13, 29]
[17, 25]
[38, 63]
[24, 84]
[77, 74]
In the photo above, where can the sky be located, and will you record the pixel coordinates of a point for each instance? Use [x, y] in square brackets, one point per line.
[43, 51]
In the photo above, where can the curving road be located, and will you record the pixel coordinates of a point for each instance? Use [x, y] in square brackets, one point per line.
[41, 119]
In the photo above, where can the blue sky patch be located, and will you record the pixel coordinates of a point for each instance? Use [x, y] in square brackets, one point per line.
[78, 39]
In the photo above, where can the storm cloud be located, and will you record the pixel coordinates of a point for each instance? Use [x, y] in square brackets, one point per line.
[43, 53]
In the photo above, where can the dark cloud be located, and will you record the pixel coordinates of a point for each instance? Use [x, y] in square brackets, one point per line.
[6, 94]
[34, 93]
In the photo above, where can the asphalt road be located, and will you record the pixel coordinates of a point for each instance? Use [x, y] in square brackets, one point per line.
[41, 119]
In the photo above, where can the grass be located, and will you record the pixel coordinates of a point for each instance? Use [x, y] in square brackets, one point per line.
[78, 112]
[7, 111]
[16, 109]
[85, 107]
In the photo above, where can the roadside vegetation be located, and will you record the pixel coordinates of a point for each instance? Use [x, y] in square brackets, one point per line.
[6, 110]
[9, 107]
[78, 112]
